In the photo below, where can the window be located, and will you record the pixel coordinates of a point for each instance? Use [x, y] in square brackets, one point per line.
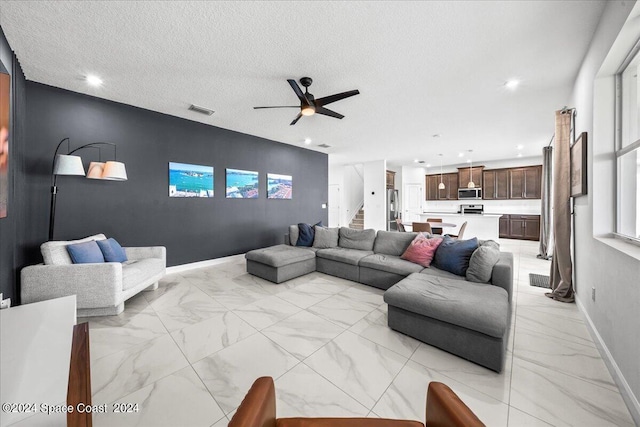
[628, 147]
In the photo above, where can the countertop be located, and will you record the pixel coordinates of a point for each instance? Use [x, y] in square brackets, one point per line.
[485, 215]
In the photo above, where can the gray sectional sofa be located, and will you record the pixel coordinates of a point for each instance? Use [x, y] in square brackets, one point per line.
[466, 318]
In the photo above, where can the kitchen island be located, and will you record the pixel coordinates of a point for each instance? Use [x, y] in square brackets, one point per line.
[483, 226]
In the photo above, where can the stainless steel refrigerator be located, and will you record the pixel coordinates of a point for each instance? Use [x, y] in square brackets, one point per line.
[393, 209]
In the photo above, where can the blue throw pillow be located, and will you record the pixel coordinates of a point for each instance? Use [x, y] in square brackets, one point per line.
[84, 253]
[112, 250]
[306, 234]
[453, 255]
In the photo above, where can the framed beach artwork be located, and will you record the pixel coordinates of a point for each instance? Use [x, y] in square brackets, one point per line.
[579, 166]
[5, 84]
[187, 180]
[242, 184]
[279, 186]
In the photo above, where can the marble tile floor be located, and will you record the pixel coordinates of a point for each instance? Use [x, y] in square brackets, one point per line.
[188, 352]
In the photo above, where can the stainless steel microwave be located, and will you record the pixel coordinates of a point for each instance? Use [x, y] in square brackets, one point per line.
[469, 193]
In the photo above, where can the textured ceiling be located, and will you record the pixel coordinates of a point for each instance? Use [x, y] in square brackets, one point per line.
[422, 68]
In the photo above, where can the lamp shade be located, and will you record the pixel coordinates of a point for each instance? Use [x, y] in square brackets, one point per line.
[114, 171]
[96, 170]
[441, 186]
[68, 165]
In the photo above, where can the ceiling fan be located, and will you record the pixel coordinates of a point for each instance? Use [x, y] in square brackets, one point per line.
[309, 105]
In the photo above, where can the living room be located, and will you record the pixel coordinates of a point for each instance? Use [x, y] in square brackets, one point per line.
[145, 54]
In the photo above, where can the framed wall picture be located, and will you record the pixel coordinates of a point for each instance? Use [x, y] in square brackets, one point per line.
[242, 184]
[187, 180]
[5, 85]
[279, 186]
[579, 166]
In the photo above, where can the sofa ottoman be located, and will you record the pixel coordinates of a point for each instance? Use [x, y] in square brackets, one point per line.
[468, 319]
[281, 263]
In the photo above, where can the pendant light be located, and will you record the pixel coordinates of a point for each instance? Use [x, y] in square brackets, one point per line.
[471, 184]
[441, 185]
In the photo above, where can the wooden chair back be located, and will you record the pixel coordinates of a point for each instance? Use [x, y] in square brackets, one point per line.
[436, 230]
[421, 226]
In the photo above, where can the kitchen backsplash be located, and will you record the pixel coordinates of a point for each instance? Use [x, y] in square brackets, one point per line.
[529, 207]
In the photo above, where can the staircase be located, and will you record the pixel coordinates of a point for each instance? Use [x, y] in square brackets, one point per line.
[358, 220]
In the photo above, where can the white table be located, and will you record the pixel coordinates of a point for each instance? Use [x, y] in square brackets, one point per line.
[409, 225]
[483, 226]
[34, 359]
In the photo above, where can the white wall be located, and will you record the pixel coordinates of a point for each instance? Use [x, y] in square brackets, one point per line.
[336, 177]
[354, 191]
[375, 194]
[350, 179]
[606, 265]
[522, 207]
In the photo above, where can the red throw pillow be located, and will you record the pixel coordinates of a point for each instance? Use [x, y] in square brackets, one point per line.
[421, 250]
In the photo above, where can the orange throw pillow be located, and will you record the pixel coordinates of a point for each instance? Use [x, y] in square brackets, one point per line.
[421, 250]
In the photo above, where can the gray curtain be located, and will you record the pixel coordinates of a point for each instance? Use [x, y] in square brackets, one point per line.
[545, 216]
[561, 267]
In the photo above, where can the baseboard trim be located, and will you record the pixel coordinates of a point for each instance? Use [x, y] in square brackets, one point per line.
[625, 391]
[200, 264]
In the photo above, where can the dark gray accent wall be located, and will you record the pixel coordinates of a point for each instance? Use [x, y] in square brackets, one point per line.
[11, 227]
[139, 212]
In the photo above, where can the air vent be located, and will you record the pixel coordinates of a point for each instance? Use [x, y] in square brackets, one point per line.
[324, 146]
[201, 110]
[421, 161]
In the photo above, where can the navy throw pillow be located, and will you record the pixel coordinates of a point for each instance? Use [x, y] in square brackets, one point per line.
[453, 255]
[306, 234]
[112, 250]
[85, 253]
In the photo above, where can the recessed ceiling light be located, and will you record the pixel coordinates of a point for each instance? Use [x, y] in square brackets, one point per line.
[428, 165]
[307, 141]
[415, 160]
[460, 154]
[519, 154]
[520, 147]
[94, 80]
[468, 160]
[511, 84]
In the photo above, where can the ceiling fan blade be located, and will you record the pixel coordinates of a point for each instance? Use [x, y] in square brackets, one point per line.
[327, 112]
[296, 119]
[298, 92]
[279, 106]
[337, 97]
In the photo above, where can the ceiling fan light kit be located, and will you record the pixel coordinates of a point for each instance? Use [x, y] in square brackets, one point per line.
[309, 105]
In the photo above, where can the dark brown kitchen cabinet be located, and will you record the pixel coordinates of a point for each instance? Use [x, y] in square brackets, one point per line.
[450, 192]
[522, 227]
[525, 182]
[495, 184]
[391, 180]
[475, 173]
[431, 186]
[503, 227]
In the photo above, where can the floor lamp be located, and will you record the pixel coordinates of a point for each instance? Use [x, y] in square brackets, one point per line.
[68, 164]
